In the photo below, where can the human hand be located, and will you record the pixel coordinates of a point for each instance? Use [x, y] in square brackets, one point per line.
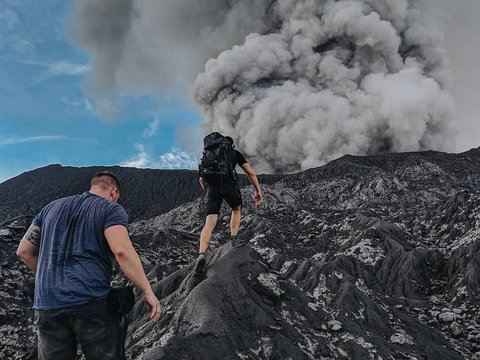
[153, 305]
[257, 198]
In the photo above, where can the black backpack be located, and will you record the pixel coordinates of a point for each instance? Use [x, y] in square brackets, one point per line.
[218, 159]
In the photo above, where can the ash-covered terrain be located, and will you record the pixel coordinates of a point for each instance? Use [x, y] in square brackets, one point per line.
[371, 257]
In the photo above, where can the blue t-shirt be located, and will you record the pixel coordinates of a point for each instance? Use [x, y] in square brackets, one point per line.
[75, 262]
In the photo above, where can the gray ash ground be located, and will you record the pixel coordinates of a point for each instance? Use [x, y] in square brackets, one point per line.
[365, 258]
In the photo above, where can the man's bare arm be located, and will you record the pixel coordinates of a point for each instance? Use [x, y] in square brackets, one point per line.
[28, 248]
[201, 180]
[129, 261]
[257, 197]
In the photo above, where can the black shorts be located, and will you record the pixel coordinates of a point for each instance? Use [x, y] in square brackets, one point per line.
[227, 191]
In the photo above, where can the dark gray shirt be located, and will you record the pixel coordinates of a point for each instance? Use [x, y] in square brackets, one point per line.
[75, 262]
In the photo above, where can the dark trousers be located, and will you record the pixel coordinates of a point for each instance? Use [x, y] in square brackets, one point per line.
[93, 325]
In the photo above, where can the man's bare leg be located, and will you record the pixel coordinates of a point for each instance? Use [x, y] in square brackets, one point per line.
[205, 237]
[206, 234]
[234, 226]
[235, 221]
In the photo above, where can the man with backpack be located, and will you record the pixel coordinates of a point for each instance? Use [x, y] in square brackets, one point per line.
[217, 173]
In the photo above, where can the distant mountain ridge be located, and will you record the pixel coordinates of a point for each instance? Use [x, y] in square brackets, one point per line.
[34, 189]
[146, 192]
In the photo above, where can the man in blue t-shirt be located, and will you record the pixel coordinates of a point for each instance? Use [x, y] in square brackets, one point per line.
[71, 246]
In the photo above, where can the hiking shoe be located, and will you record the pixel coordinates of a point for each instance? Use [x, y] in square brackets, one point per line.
[199, 263]
[236, 242]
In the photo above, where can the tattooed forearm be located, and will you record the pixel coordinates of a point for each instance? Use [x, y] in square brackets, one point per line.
[33, 235]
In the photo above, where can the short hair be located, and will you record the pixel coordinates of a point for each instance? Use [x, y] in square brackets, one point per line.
[229, 138]
[105, 179]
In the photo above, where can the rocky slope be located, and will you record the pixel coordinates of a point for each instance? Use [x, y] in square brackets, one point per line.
[364, 258]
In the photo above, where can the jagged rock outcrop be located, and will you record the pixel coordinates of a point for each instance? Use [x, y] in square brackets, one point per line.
[364, 258]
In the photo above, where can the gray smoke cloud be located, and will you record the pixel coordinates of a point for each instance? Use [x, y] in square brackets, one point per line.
[460, 23]
[150, 47]
[296, 83]
[337, 77]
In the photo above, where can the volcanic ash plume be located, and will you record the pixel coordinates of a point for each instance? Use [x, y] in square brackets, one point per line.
[328, 78]
[295, 82]
[150, 47]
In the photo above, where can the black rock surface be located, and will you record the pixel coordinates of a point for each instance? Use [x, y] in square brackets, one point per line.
[365, 258]
[145, 192]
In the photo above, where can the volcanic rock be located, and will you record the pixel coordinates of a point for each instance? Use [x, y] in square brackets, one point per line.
[365, 257]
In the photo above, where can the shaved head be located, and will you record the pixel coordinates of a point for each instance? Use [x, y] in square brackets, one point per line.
[105, 180]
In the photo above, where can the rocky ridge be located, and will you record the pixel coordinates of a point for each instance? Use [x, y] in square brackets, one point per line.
[365, 258]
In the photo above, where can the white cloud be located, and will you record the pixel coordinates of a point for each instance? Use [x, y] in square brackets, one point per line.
[68, 68]
[183, 157]
[60, 68]
[29, 139]
[141, 160]
[152, 129]
[82, 103]
[174, 159]
[177, 159]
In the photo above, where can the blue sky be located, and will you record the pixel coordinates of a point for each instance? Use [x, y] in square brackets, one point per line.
[45, 117]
